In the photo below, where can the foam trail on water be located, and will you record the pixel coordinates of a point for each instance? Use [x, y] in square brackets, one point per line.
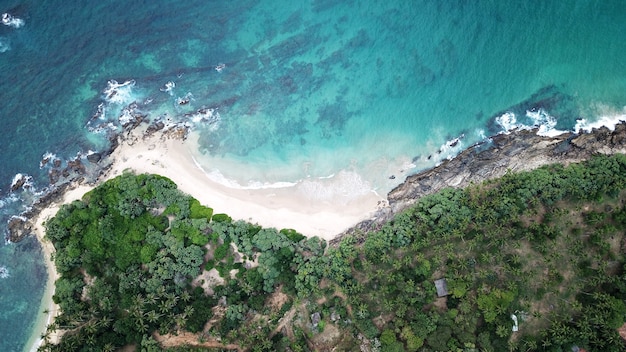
[508, 121]
[536, 119]
[8, 200]
[4, 272]
[4, 45]
[217, 177]
[545, 122]
[12, 21]
[168, 87]
[608, 121]
[343, 187]
[120, 93]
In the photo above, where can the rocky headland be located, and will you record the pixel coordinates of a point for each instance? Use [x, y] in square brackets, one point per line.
[519, 150]
[89, 169]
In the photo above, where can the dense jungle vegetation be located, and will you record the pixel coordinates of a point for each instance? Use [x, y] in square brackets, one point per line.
[140, 262]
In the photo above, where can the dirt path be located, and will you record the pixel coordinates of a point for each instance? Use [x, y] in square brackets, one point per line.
[189, 339]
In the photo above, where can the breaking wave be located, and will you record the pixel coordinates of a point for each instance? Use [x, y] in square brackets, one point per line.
[608, 120]
[4, 45]
[4, 272]
[534, 119]
[12, 21]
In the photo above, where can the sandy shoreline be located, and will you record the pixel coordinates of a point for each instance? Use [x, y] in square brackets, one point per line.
[273, 207]
[173, 158]
[48, 250]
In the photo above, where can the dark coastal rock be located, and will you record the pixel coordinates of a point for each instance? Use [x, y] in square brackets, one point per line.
[520, 150]
[19, 183]
[154, 127]
[176, 132]
[55, 194]
[94, 157]
[21, 226]
[57, 163]
[44, 161]
[76, 166]
[54, 175]
[136, 121]
[18, 227]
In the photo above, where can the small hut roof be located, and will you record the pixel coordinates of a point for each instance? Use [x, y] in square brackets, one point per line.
[442, 287]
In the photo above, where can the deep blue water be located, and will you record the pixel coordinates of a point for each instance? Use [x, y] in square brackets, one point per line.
[305, 89]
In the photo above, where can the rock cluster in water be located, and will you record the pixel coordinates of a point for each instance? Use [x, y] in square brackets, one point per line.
[78, 172]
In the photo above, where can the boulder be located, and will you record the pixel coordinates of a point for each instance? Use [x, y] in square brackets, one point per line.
[154, 127]
[19, 228]
[18, 182]
[94, 157]
[76, 166]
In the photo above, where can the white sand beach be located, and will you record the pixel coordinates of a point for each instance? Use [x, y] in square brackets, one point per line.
[47, 305]
[273, 207]
[173, 158]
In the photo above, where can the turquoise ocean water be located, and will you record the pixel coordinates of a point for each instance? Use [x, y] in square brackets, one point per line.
[286, 93]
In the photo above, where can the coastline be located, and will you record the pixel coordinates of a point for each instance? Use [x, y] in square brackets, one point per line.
[516, 151]
[42, 323]
[271, 207]
[169, 156]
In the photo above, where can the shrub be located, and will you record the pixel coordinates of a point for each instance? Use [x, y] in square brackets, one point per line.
[222, 218]
[198, 211]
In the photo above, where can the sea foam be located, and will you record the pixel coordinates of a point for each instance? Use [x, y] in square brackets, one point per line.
[608, 121]
[343, 187]
[9, 199]
[12, 21]
[168, 87]
[4, 45]
[120, 93]
[206, 116]
[4, 272]
[540, 119]
[216, 176]
[545, 122]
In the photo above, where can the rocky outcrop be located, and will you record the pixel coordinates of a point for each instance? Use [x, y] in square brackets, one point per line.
[77, 171]
[94, 157]
[520, 150]
[18, 182]
[19, 227]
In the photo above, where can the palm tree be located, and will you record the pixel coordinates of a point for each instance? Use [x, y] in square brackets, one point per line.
[188, 311]
[105, 321]
[151, 298]
[141, 326]
[153, 316]
[181, 321]
[185, 296]
[163, 306]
